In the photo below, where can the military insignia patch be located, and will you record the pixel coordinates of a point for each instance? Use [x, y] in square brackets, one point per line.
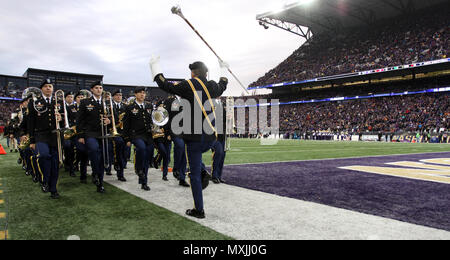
[176, 105]
[40, 108]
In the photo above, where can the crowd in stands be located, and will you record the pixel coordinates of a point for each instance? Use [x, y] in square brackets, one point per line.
[414, 113]
[424, 113]
[6, 109]
[423, 36]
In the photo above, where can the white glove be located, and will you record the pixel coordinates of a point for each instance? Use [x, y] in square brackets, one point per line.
[223, 68]
[155, 67]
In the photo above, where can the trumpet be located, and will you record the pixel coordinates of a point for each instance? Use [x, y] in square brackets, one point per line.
[121, 117]
[69, 133]
[24, 143]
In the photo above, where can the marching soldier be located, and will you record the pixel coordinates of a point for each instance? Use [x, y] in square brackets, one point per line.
[43, 140]
[163, 143]
[195, 91]
[137, 130]
[81, 157]
[219, 151]
[92, 116]
[117, 143]
[26, 153]
[69, 144]
[179, 166]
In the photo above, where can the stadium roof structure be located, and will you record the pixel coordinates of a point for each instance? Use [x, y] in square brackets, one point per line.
[308, 17]
[53, 72]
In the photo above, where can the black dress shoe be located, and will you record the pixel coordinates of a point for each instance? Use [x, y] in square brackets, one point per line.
[122, 179]
[184, 184]
[165, 178]
[101, 189]
[72, 174]
[195, 213]
[176, 174]
[35, 179]
[222, 181]
[216, 180]
[145, 187]
[45, 188]
[95, 180]
[54, 195]
[108, 173]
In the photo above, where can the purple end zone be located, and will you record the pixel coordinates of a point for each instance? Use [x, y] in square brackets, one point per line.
[414, 201]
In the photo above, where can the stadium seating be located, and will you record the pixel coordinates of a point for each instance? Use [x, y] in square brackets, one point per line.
[423, 36]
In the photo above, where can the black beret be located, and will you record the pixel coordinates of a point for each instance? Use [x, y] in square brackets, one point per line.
[78, 94]
[45, 82]
[97, 83]
[117, 92]
[69, 93]
[138, 90]
[198, 65]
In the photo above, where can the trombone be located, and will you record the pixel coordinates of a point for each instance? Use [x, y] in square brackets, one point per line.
[59, 95]
[105, 133]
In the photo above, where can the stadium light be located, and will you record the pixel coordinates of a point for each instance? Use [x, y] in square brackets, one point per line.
[305, 2]
[284, 7]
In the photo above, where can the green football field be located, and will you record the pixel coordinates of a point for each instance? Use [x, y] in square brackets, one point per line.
[30, 214]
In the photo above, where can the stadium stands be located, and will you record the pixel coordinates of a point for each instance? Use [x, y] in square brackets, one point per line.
[423, 36]
[407, 113]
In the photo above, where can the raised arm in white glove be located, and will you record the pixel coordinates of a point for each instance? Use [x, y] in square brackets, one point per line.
[223, 68]
[155, 67]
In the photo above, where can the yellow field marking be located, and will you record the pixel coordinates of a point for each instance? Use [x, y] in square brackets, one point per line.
[2, 215]
[425, 175]
[4, 235]
[444, 161]
[2, 202]
[1, 192]
[422, 166]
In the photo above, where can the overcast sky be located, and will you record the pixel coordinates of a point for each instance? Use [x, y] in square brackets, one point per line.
[116, 38]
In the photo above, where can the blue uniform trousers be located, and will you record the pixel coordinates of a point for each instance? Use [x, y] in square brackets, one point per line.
[218, 159]
[143, 157]
[95, 154]
[194, 154]
[117, 155]
[179, 154]
[165, 149]
[83, 157]
[48, 164]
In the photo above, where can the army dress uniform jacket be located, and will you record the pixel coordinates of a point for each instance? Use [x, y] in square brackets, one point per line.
[23, 127]
[89, 118]
[72, 113]
[42, 122]
[184, 90]
[137, 123]
[119, 110]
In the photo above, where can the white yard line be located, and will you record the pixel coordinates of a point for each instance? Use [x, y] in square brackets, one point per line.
[251, 215]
